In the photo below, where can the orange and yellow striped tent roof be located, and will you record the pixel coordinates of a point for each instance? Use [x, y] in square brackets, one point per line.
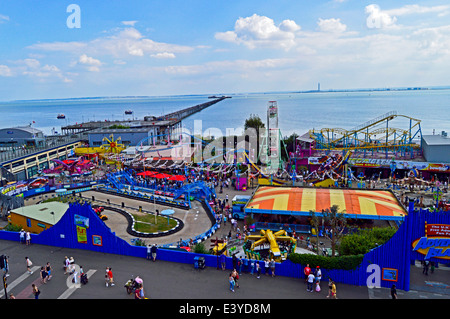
[377, 204]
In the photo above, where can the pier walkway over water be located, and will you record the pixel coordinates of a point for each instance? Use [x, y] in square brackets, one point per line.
[170, 119]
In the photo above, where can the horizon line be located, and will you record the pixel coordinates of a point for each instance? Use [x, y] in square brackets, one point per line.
[404, 88]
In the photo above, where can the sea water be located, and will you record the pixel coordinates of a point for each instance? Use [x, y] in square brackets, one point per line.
[297, 112]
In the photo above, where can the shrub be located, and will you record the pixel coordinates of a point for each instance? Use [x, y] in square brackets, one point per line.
[340, 262]
[12, 227]
[199, 248]
[364, 240]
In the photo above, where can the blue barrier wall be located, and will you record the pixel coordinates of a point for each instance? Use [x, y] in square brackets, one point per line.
[394, 254]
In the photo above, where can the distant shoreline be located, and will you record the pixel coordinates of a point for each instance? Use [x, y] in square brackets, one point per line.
[394, 89]
[418, 88]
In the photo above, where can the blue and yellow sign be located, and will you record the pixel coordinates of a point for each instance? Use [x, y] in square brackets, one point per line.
[435, 243]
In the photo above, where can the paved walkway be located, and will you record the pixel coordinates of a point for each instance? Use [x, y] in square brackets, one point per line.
[166, 280]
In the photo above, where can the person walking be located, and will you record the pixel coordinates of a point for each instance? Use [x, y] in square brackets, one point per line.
[318, 274]
[330, 286]
[110, 277]
[332, 290]
[141, 291]
[306, 271]
[137, 292]
[28, 238]
[35, 290]
[393, 292]
[43, 275]
[426, 265]
[258, 270]
[4, 264]
[240, 262]
[252, 266]
[66, 265]
[310, 282]
[22, 236]
[235, 275]
[272, 267]
[107, 277]
[231, 281]
[154, 251]
[318, 289]
[48, 269]
[149, 254]
[245, 264]
[29, 264]
[266, 266]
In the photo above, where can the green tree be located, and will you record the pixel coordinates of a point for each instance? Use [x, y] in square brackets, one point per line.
[362, 241]
[315, 223]
[337, 222]
[255, 122]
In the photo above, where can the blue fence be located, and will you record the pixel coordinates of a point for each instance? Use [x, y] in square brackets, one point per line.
[69, 187]
[396, 254]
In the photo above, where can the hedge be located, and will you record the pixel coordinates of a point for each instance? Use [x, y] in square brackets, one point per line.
[339, 262]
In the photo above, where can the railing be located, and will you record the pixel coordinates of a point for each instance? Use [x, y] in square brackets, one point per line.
[375, 120]
[11, 153]
[276, 226]
[7, 175]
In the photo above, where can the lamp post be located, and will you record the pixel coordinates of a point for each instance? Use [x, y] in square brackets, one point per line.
[53, 213]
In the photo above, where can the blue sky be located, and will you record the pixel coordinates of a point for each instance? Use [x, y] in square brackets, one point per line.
[146, 47]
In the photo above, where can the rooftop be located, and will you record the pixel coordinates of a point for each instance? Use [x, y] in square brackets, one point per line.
[357, 203]
[436, 140]
[49, 213]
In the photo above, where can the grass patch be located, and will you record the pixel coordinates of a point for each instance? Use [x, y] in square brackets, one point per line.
[146, 223]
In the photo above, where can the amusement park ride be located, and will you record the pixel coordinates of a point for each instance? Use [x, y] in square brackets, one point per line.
[273, 240]
[375, 135]
[109, 150]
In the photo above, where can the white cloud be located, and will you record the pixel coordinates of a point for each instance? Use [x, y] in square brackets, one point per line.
[379, 19]
[227, 36]
[163, 55]
[289, 26]
[129, 23]
[433, 41]
[92, 64]
[119, 62]
[31, 63]
[387, 19]
[122, 44]
[261, 31]
[3, 18]
[34, 69]
[331, 25]
[5, 70]
[417, 9]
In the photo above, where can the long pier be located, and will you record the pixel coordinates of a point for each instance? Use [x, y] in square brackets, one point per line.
[165, 120]
[181, 114]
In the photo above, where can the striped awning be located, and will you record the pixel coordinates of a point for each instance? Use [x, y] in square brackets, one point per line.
[355, 203]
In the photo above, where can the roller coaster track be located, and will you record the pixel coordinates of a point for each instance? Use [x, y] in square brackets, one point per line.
[367, 135]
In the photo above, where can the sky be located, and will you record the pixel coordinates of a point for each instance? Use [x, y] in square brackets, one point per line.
[84, 48]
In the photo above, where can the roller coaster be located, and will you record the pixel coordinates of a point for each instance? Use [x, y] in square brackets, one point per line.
[375, 136]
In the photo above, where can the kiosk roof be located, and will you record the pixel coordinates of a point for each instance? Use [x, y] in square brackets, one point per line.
[357, 203]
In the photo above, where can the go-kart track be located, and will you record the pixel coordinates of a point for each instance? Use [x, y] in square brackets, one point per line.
[195, 220]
